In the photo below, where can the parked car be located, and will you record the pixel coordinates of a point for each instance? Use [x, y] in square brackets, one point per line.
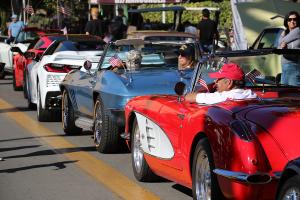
[21, 60]
[235, 149]
[96, 101]
[267, 39]
[25, 37]
[289, 185]
[58, 59]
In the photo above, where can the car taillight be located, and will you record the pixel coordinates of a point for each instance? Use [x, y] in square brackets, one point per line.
[58, 68]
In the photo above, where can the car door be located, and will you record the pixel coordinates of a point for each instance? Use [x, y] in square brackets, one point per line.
[84, 87]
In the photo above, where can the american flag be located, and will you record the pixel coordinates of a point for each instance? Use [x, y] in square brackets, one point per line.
[253, 74]
[115, 61]
[29, 9]
[203, 83]
[64, 9]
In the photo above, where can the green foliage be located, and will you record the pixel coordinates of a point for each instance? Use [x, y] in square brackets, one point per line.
[193, 16]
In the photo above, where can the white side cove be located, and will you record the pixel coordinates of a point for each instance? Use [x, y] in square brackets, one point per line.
[153, 139]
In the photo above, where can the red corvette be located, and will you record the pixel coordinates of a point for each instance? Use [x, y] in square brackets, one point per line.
[38, 42]
[229, 150]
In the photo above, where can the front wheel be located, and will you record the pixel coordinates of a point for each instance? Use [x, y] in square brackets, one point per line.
[106, 137]
[290, 189]
[141, 169]
[68, 116]
[27, 91]
[2, 72]
[205, 184]
[43, 115]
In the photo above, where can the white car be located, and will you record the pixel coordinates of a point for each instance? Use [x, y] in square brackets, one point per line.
[23, 40]
[45, 76]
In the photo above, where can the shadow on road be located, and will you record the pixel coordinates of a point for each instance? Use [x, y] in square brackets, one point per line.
[28, 138]
[183, 189]
[53, 152]
[5, 83]
[16, 109]
[17, 148]
[58, 165]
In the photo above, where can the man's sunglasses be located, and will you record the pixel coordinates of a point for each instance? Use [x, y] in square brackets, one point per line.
[292, 19]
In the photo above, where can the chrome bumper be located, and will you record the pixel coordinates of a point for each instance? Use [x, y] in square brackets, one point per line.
[256, 178]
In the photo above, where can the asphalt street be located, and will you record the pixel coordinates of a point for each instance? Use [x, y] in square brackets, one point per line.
[40, 162]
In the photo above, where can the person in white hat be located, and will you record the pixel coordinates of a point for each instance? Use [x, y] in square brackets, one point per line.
[14, 28]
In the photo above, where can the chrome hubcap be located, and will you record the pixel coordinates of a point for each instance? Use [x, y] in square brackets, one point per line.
[292, 194]
[203, 177]
[137, 150]
[98, 125]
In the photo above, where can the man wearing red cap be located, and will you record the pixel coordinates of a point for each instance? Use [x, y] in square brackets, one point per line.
[230, 82]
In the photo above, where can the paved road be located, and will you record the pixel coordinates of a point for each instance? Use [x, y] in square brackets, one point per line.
[42, 163]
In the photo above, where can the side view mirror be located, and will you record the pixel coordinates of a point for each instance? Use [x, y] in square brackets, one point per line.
[87, 65]
[29, 55]
[16, 49]
[179, 88]
[37, 57]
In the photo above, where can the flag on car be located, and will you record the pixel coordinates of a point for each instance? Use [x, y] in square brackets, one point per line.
[115, 61]
[253, 74]
[203, 83]
[29, 9]
[64, 9]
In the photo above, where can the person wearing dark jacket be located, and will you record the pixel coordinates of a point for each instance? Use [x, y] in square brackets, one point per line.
[207, 31]
[94, 26]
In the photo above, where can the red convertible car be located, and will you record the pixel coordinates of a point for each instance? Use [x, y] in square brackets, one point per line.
[38, 41]
[235, 149]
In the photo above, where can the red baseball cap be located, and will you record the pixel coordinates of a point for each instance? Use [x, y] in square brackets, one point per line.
[229, 70]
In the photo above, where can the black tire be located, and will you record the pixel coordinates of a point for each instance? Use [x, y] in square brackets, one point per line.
[106, 136]
[141, 169]
[30, 105]
[43, 115]
[16, 88]
[68, 116]
[290, 189]
[2, 72]
[203, 162]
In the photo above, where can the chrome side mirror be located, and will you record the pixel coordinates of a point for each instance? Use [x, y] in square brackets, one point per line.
[179, 89]
[87, 65]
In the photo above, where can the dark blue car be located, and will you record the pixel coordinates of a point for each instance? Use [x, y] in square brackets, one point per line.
[95, 100]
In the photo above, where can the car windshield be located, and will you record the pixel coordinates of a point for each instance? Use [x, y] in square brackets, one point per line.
[154, 55]
[256, 73]
[80, 46]
[27, 36]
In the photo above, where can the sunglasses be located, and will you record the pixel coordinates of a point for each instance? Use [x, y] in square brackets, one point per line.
[292, 19]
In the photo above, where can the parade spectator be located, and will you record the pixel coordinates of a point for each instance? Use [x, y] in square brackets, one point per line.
[290, 39]
[186, 57]
[189, 28]
[122, 16]
[229, 84]
[14, 28]
[94, 26]
[136, 19]
[207, 31]
[117, 29]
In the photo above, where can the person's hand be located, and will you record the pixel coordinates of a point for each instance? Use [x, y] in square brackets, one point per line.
[283, 45]
[191, 97]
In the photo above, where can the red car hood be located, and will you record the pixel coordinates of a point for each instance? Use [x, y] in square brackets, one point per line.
[281, 119]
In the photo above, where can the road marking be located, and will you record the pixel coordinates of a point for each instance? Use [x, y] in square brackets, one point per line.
[102, 172]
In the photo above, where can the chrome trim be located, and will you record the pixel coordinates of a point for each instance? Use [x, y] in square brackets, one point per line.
[277, 175]
[242, 177]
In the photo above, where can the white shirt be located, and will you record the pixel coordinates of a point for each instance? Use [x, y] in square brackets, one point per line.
[216, 97]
